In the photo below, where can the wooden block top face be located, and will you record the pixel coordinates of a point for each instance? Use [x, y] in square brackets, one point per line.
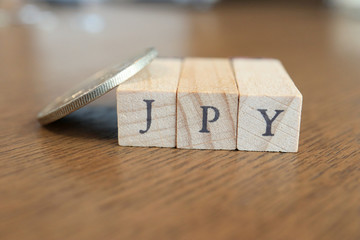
[263, 77]
[207, 103]
[269, 106]
[207, 75]
[161, 75]
[146, 105]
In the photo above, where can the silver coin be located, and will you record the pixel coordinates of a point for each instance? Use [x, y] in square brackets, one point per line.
[94, 87]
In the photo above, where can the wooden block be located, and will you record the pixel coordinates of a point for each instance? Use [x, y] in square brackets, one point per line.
[146, 105]
[207, 103]
[269, 106]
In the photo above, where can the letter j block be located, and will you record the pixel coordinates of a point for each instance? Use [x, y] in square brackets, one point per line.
[269, 106]
[146, 105]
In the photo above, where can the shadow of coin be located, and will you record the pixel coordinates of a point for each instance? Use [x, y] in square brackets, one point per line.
[97, 122]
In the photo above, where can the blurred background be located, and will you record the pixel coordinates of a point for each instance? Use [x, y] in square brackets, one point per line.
[67, 40]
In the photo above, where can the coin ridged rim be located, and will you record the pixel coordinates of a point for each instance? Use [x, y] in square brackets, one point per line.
[128, 70]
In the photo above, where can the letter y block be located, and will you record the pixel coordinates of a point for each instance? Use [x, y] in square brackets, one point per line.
[146, 105]
[269, 106]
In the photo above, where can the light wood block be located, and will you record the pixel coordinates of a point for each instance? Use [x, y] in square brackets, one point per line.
[146, 105]
[269, 106]
[207, 103]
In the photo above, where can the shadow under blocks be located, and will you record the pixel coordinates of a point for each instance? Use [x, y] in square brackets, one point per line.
[211, 103]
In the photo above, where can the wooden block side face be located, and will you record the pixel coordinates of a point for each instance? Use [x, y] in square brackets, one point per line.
[134, 127]
[269, 123]
[146, 105]
[206, 121]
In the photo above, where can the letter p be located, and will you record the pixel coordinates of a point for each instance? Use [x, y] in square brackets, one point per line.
[205, 117]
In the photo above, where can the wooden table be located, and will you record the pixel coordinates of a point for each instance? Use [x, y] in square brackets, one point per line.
[70, 180]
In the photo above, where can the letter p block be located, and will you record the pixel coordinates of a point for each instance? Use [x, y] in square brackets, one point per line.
[146, 105]
[207, 102]
[269, 106]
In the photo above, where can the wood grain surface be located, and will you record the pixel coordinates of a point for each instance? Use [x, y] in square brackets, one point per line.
[71, 180]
